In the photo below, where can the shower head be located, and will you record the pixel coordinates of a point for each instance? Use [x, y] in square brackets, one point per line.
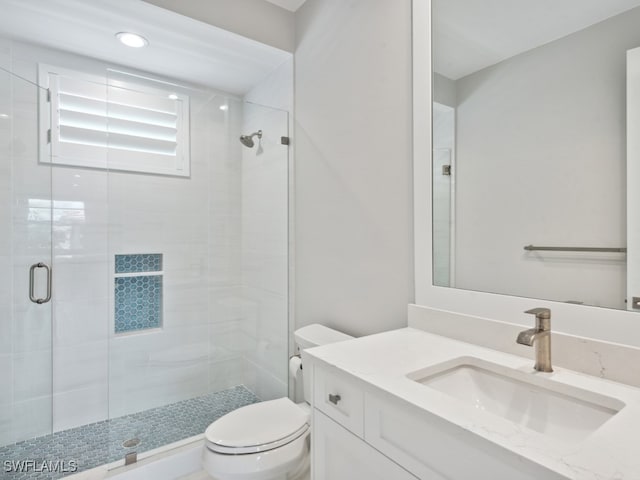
[247, 140]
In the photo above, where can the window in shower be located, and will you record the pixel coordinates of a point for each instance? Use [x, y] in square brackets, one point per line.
[133, 125]
[138, 292]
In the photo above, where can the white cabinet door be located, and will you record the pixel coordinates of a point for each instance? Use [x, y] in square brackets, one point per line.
[340, 455]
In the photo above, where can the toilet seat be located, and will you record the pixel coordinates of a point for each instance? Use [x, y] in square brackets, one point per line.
[259, 427]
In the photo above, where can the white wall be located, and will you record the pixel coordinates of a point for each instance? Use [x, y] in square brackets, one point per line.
[444, 90]
[256, 19]
[541, 160]
[353, 233]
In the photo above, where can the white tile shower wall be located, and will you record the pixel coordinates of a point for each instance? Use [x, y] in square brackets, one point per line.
[180, 218]
[26, 327]
[6, 402]
[6, 262]
[154, 369]
[194, 222]
[265, 197]
[226, 364]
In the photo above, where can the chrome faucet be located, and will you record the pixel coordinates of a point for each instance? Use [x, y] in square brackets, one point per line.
[541, 336]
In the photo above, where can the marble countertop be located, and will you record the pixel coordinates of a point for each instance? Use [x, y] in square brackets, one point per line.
[383, 361]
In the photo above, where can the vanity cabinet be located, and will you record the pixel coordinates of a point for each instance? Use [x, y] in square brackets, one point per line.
[360, 432]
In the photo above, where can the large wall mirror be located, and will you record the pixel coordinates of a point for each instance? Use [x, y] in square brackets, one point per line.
[530, 157]
[529, 162]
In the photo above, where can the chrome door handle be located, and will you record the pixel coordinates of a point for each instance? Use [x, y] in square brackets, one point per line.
[32, 295]
[334, 398]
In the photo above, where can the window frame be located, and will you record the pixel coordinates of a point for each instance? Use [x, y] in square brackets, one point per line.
[55, 151]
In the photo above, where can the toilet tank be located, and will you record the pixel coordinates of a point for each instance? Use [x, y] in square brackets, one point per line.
[315, 335]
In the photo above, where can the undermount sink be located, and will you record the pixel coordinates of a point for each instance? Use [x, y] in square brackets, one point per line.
[554, 409]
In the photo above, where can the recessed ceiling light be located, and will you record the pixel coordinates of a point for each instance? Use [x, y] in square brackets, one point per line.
[132, 39]
[4, 115]
[224, 107]
[173, 96]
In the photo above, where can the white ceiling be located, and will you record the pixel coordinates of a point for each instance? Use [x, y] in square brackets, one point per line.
[469, 35]
[179, 47]
[291, 5]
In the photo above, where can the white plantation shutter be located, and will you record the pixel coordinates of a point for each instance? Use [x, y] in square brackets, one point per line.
[121, 127]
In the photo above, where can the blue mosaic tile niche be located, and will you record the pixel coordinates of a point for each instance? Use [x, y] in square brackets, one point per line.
[146, 262]
[138, 292]
[138, 303]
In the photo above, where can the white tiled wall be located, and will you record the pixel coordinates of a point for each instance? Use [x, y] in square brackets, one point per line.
[265, 276]
[25, 348]
[6, 262]
[194, 223]
[224, 244]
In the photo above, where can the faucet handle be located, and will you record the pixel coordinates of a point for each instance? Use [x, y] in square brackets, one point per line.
[543, 318]
[540, 313]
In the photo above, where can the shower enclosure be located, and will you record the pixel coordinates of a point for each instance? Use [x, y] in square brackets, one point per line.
[25, 255]
[143, 259]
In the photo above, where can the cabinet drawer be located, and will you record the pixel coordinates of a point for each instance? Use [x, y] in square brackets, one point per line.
[336, 396]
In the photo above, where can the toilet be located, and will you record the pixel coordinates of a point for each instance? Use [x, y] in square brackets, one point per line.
[267, 440]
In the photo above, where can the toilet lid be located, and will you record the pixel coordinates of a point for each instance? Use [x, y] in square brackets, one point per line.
[257, 427]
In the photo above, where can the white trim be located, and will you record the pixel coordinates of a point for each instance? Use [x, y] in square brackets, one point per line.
[145, 142]
[633, 173]
[139, 274]
[422, 98]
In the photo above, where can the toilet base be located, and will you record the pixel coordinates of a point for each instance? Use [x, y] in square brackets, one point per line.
[303, 472]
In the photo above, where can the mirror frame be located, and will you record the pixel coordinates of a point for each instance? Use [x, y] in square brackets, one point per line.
[618, 326]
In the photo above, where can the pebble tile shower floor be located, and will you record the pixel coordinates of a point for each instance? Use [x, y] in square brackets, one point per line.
[99, 443]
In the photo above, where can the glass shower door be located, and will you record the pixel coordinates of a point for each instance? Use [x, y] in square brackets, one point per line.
[26, 212]
[197, 254]
[264, 248]
[159, 182]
